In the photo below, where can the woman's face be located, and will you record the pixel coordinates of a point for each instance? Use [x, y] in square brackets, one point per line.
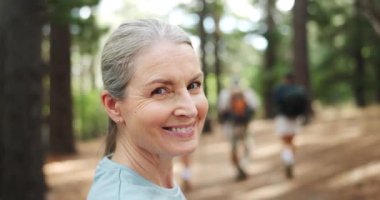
[165, 107]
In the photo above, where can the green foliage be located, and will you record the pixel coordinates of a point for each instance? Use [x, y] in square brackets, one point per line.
[88, 35]
[335, 32]
[60, 10]
[90, 119]
[212, 96]
[86, 32]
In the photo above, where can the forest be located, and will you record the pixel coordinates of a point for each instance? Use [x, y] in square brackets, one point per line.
[50, 71]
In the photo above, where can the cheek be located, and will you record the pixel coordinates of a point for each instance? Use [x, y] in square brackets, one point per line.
[155, 113]
[202, 106]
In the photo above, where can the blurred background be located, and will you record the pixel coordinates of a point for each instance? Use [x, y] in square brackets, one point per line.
[52, 122]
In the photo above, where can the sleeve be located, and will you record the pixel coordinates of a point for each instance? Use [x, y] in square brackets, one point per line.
[224, 100]
[252, 99]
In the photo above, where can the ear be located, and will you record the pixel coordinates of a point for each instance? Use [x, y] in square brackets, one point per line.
[110, 104]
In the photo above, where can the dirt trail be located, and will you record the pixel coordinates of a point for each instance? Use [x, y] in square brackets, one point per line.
[338, 157]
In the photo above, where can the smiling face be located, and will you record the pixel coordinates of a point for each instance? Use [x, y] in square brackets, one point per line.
[165, 107]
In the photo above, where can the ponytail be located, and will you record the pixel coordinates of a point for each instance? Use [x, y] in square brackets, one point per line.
[111, 138]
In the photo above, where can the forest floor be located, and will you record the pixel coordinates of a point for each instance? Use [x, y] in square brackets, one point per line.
[337, 157]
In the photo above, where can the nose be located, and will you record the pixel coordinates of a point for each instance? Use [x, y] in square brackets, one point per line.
[185, 105]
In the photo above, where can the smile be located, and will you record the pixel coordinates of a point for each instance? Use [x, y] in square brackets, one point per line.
[180, 130]
[187, 131]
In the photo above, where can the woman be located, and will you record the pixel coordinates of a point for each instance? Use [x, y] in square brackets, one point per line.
[154, 98]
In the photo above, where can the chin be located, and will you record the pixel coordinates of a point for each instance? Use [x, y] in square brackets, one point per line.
[187, 149]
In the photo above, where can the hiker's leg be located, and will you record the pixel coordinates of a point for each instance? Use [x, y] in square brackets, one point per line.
[241, 175]
[246, 143]
[234, 151]
[287, 154]
[288, 148]
[287, 141]
[286, 129]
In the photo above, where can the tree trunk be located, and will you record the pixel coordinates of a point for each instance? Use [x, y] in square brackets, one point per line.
[371, 10]
[21, 155]
[203, 36]
[377, 87]
[376, 66]
[217, 45]
[61, 114]
[359, 73]
[270, 60]
[300, 46]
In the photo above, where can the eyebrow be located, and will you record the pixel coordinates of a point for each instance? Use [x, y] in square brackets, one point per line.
[169, 82]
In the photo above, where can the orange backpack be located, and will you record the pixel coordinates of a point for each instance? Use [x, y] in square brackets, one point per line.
[238, 104]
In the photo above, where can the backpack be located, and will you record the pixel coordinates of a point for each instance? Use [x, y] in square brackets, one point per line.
[240, 112]
[293, 102]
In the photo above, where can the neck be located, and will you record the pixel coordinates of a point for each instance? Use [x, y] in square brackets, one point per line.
[151, 166]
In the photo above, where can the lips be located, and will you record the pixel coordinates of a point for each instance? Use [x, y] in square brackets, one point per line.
[180, 131]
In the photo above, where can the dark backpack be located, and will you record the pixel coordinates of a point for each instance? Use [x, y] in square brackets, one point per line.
[293, 102]
[240, 112]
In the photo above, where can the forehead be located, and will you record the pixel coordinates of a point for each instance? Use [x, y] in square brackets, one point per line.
[165, 60]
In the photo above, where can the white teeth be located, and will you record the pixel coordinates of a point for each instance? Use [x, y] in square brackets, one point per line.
[182, 130]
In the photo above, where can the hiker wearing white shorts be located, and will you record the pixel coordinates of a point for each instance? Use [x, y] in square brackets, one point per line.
[290, 101]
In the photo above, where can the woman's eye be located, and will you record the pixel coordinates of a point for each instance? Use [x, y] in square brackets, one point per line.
[194, 85]
[159, 91]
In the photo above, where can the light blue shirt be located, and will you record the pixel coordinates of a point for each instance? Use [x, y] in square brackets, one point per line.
[113, 181]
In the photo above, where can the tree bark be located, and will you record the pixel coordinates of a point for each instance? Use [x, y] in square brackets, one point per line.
[21, 155]
[217, 45]
[203, 36]
[359, 73]
[376, 62]
[300, 46]
[61, 114]
[377, 87]
[270, 60]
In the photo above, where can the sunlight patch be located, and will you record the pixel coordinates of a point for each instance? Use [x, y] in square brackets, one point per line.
[270, 191]
[355, 175]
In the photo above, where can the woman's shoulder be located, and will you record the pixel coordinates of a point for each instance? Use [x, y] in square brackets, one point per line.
[117, 182]
[150, 192]
[106, 182]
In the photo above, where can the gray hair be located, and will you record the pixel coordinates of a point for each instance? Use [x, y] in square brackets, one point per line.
[120, 51]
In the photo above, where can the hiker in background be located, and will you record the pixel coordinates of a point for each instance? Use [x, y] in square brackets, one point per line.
[236, 108]
[291, 103]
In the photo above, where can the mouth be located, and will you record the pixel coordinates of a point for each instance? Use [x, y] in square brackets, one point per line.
[180, 131]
